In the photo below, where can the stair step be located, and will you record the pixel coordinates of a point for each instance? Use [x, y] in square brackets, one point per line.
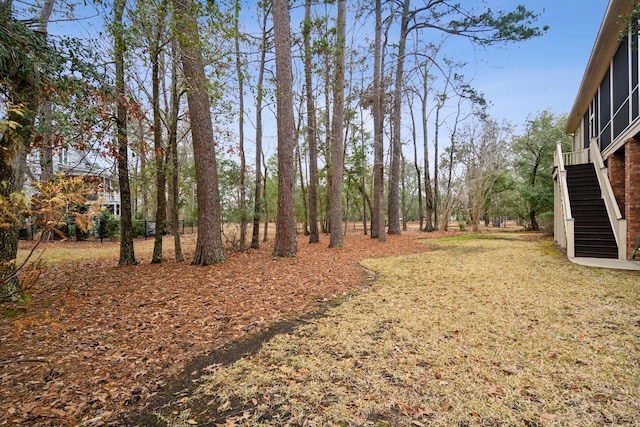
[596, 244]
[595, 209]
[590, 254]
[593, 236]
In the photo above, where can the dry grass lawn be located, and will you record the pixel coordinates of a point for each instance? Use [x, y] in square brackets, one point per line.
[498, 330]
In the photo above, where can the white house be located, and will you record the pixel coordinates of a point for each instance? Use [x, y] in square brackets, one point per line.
[78, 163]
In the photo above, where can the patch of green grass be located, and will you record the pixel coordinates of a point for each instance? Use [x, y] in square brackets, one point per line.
[465, 238]
[11, 312]
[549, 248]
[53, 254]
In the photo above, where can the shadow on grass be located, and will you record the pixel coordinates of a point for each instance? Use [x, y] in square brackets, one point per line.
[174, 396]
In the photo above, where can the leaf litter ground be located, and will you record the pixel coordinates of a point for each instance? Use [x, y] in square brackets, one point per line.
[98, 343]
[499, 330]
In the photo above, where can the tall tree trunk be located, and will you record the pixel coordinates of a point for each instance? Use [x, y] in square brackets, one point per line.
[209, 249]
[403, 180]
[302, 186]
[174, 183]
[286, 244]
[428, 226]
[127, 254]
[414, 138]
[46, 111]
[161, 172]
[243, 162]
[258, 200]
[13, 150]
[337, 123]
[9, 284]
[436, 170]
[144, 181]
[396, 143]
[314, 235]
[447, 198]
[377, 214]
[532, 183]
[265, 236]
[534, 222]
[362, 184]
[326, 194]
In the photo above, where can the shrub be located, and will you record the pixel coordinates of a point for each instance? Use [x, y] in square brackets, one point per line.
[545, 221]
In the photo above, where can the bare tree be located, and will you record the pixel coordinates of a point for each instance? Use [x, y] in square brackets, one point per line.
[481, 150]
[311, 128]
[416, 165]
[286, 244]
[446, 17]
[243, 162]
[155, 51]
[174, 184]
[258, 202]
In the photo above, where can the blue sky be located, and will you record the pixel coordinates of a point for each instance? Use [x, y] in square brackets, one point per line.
[519, 79]
[544, 73]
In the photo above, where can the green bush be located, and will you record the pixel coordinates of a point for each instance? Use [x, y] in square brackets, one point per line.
[139, 226]
[545, 221]
[107, 225]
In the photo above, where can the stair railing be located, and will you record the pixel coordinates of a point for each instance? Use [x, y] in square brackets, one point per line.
[564, 222]
[618, 223]
[575, 157]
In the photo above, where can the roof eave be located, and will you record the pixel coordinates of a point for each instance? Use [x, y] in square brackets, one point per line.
[604, 48]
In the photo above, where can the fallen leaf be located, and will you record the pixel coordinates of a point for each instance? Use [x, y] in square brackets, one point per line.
[58, 412]
[192, 422]
[406, 409]
[546, 417]
[424, 413]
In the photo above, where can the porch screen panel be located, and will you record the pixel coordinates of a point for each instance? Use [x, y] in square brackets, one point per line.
[621, 88]
[585, 131]
[620, 81]
[621, 120]
[595, 126]
[605, 102]
[635, 110]
[605, 137]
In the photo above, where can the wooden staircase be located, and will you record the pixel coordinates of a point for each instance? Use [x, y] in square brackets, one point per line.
[594, 237]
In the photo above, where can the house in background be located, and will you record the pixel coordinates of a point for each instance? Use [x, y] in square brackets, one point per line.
[597, 185]
[79, 163]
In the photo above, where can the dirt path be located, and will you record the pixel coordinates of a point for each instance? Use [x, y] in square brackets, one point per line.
[494, 331]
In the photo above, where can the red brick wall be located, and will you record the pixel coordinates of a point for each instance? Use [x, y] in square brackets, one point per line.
[617, 177]
[632, 192]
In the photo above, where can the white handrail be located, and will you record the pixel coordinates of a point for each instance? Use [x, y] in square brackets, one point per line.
[618, 223]
[567, 221]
